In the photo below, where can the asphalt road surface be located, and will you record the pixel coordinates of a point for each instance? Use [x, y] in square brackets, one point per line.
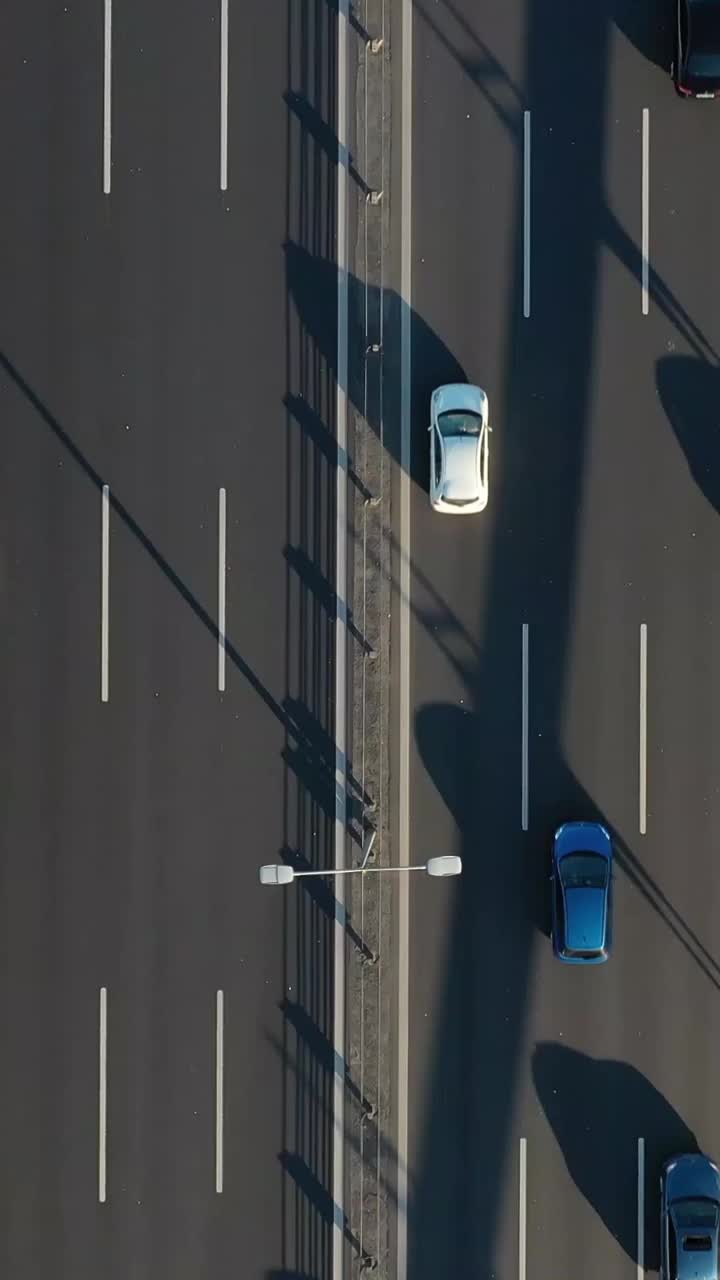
[167, 356]
[531, 1084]
[149, 345]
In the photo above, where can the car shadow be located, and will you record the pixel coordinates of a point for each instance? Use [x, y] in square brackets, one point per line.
[450, 742]
[689, 387]
[313, 285]
[649, 27]
[451, 745]
[597, 1108]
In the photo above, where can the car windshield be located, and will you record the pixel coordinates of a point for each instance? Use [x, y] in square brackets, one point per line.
[703, 65]
[696, 1213]
[697, 1244]
[584, 871]
[705, 26]
[704, 68]
[459, 424]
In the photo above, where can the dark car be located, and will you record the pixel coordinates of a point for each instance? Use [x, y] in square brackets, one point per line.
[581, 893]
[689, 1219]
[696, 69]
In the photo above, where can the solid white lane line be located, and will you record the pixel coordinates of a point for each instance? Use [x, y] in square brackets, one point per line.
[219, 1088]
[105, 597]
[341, 586]
[107, 99]
[223, 93]
[645, 209]
[525, 746]
[403, 972]
[641, 1209]
[643, 728]
[522, 1211]
[526, 214]
[222, 578]
[102, 1100]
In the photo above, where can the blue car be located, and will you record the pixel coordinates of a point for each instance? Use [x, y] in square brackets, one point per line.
[689, 1218]
[581, 893]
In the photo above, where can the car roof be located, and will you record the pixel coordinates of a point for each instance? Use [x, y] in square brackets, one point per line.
[460, 478]
[706, 24]
[585, 919]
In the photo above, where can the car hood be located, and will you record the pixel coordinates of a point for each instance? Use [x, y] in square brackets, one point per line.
[458, 396]
[585, 919]
[461, 468]
[690, 1176]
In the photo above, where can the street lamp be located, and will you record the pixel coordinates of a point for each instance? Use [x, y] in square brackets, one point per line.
[447, 865]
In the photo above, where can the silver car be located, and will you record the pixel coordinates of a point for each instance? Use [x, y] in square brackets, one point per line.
[459, 449]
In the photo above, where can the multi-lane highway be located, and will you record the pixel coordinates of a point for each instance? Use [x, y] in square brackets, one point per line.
[173, 1039]
[149, 346]
[530, 1085]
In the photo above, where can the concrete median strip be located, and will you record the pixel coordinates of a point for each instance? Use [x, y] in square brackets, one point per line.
[341, 587]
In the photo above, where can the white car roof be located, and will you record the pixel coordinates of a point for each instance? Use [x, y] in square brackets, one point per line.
[460, 480]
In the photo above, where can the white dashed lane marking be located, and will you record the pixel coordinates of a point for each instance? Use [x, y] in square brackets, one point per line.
[107, 99]
[105, 596]
[522, 1210]
[222, 579]
[641, 1208]
[525, 743]
[219, 1089]
[526, 214]
[223, 94]
[643, 730]
[645, 210]
[102, 1098]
